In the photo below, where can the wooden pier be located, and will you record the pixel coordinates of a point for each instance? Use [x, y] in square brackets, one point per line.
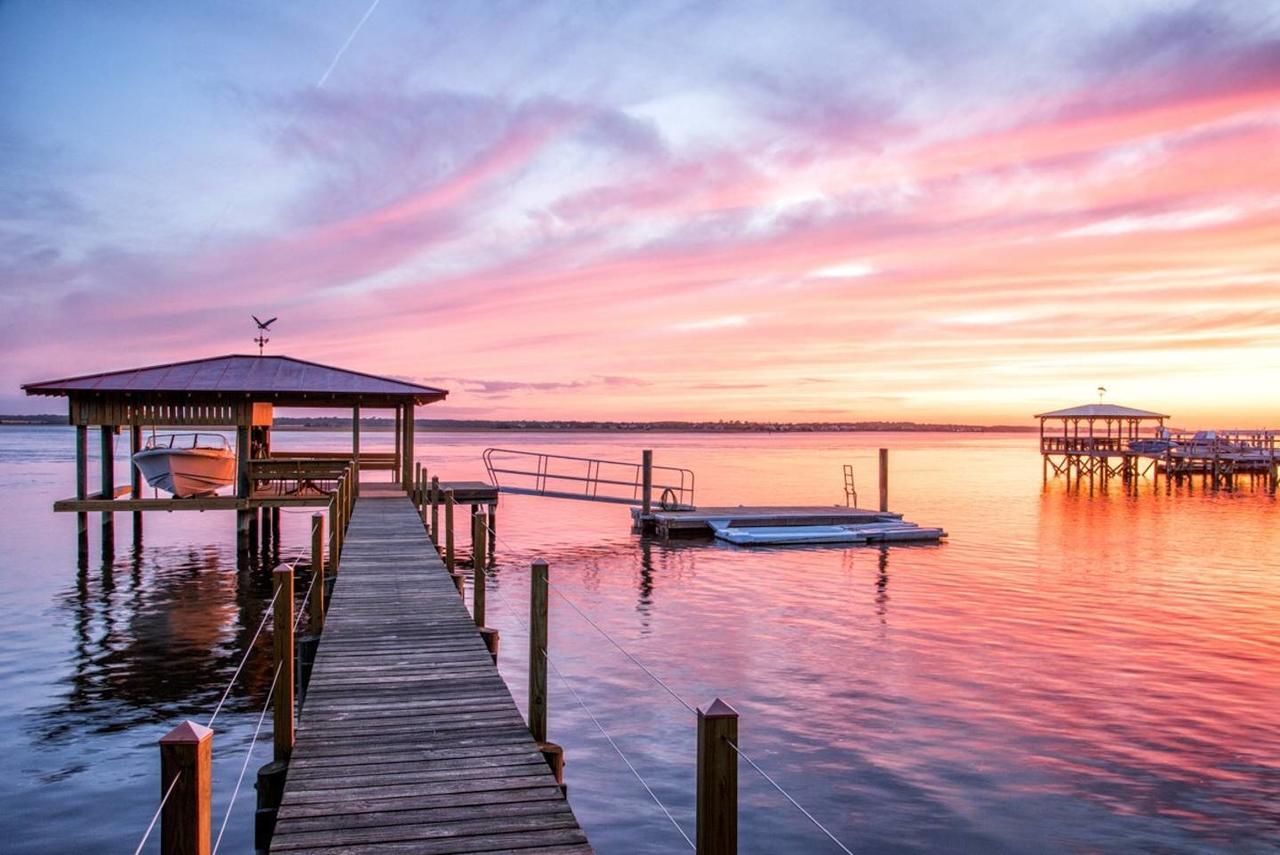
[408, 738]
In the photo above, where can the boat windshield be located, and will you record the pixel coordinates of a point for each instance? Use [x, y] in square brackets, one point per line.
[214, 441]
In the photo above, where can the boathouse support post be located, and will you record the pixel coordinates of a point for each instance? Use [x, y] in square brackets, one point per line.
[135, 480]
[884, 479]
[317, 569]
[107, 467]
[282, 719]
[408, 440]
[435, 510]
[539, 588]
[186, 754]
[355, 444]
[717, 780]
[82, 488]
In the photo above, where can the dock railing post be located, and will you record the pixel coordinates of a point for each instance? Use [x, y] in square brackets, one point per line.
[539, 588]
[646, 483]
[282, 645]
[317, 570]
[415, 491]
[450, 551]
[477, 563]
[717, 787]
[333, 536]
[884, 480]
[186, 753]
[435, 510]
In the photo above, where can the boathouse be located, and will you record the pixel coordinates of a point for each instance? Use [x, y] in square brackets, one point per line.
[232, 392]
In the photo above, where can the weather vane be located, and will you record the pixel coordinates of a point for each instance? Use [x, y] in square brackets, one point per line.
[262, 331]
[1102, 390]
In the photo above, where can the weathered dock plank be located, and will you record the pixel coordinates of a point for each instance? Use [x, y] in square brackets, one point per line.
[408, 740]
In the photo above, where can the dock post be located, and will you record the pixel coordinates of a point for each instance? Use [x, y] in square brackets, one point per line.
[317, 569]
[282, 638]
[186, 753]
[539, 587]
[646, 484]
[333, 536]
[435, 511]
[717, 786]
[107, 465]
[415, 491]
[135, 482]
[82, 489]
[477, 563]
[884, 480]
[450, 552]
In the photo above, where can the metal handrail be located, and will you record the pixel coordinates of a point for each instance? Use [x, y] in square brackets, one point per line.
[673, 484]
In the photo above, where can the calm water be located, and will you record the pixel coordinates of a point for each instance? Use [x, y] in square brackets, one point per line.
[1067, 673]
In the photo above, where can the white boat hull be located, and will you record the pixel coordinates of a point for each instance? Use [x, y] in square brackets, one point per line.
[186, 472]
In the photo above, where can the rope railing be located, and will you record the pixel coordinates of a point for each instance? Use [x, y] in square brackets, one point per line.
[656, 679]
[788, 797]
[156, 816]
[648, 789]
[248, 755]
[662, 684]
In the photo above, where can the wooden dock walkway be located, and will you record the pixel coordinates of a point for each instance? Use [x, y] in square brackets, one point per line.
[408, 739]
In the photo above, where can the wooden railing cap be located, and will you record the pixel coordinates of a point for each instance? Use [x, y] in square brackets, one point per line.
[719, 709]
[187, 732]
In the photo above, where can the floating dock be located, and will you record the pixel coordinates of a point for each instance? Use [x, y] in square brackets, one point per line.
[698, 523]
[408, 739]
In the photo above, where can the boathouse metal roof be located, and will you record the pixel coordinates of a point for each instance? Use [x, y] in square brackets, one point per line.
[1101, 411]
[280, 379]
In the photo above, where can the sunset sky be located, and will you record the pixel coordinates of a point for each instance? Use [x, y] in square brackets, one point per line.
[799, 211]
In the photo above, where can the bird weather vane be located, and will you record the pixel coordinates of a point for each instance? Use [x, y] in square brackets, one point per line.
[263, 327]
[1102, 390]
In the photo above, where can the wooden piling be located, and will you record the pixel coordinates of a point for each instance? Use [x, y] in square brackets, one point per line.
[449, 559]
[333, 536]
[415, 492]
[539, 581]
[186, 753]
[107, 467]
[282, 717]
[646, 482]
[82, 486]
[478, 563]
[884, 479]
[317, 570]
[435, 510]
[717, 780]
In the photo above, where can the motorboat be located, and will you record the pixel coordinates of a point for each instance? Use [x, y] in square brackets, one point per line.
[1161, 443]
[187, 464]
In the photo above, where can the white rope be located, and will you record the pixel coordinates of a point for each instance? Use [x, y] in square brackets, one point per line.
[601, 630]
[248, 650]
[156, 816]
[606, 735]
[248, 754]
[624, 651]
[266, 615]
[789, 798]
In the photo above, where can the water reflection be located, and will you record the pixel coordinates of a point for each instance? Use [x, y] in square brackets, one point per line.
[164, 644]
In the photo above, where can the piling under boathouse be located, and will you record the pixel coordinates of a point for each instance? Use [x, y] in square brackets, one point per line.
[230, 392]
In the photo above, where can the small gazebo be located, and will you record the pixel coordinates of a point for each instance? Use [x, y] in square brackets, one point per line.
[234, 391]
[1094, 428]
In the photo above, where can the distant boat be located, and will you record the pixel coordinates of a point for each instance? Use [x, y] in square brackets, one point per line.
[187, 464]
[1162, 442]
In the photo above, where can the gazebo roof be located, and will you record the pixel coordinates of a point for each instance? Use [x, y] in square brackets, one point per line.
[1101, 411]
[281, 379]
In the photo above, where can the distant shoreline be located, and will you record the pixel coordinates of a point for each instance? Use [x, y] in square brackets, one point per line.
[381, 425]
